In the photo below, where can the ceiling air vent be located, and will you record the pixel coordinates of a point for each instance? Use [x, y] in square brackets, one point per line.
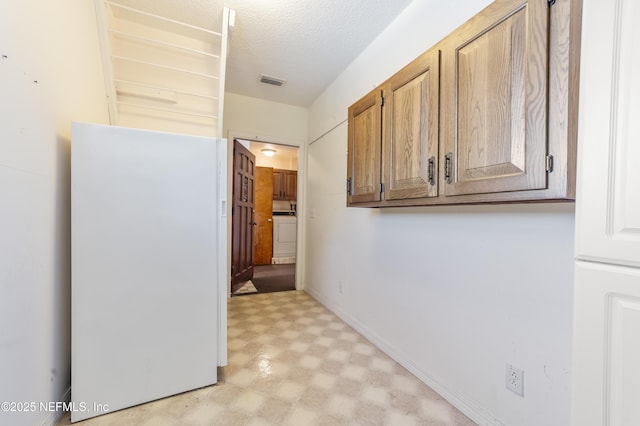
[272, 80]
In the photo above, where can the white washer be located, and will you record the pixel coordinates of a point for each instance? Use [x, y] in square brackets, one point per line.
[284, 237]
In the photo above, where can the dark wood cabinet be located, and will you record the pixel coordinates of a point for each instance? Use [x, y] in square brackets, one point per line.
[488, 115]
[285, 184]
[290, 185]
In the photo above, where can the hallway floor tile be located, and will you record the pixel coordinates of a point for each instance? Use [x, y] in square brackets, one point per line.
[293, 362]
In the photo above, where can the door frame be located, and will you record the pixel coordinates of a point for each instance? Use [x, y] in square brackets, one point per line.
[301, 204]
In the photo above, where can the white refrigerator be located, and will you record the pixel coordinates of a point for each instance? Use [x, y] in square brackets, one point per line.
[149, 254]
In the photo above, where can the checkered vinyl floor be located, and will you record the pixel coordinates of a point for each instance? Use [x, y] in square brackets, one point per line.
[292, 362]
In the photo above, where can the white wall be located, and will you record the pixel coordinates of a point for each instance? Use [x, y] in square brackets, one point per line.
[55, 44]
[266, 121]
[276, 162]
[453, 293]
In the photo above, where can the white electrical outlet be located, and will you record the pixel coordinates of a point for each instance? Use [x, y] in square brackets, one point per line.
[515, 380]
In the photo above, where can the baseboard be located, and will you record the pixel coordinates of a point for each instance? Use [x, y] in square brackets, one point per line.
[54, 416]
[466, 405]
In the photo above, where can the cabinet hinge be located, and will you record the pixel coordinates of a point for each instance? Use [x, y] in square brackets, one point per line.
[348, 186]
[551, 2]
[381, 188]
[382, 101]
[549, 163]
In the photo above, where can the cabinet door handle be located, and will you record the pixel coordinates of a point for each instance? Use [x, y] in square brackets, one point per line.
[448, 172]
[431, 173]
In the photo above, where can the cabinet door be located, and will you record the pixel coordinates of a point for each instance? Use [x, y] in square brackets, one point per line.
[364, 146]
[285, 184]
[278, 179]
[290, 185]
[410, 152]
[495, 100]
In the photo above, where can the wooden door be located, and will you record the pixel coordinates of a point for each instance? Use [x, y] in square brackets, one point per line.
[263, 232]
[242, 215]
[364, 149]
[494, 93]
[606, 347]
[410, 153]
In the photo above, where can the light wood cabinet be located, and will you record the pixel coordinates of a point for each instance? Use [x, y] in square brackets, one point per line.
[285, 184]
[410, 143]
[495, 100]
[487, 115]
[364, 139]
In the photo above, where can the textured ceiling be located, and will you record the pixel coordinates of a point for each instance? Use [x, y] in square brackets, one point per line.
[306, 42]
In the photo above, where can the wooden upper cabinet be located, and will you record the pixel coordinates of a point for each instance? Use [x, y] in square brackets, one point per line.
[290, 185]
[410, 146]
[494, 92]
[277, 184]
[487, 115]
[285, 184]
[364, 148]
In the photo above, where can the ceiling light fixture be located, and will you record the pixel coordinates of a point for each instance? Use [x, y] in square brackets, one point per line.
[268, 152]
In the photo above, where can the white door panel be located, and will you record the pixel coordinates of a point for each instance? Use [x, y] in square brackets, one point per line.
[608, 201]
[606, 347]
[606, 351]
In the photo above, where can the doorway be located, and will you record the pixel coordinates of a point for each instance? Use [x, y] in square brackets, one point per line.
[273, 241]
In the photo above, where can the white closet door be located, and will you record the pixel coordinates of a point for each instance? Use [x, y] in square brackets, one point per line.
[606, 361]
[608, 200]
[606, 347]
[145, 253]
